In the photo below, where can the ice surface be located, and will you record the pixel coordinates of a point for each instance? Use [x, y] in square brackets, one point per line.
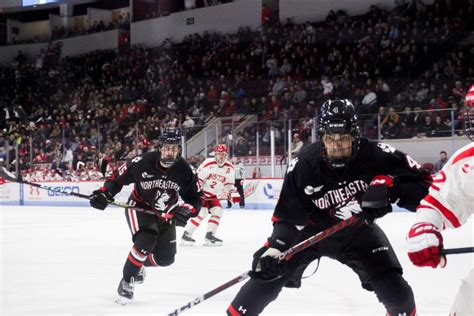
[68, 261]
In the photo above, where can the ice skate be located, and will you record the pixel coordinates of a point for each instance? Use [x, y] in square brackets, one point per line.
[187, 240]
[212, 240]
[141, 276]
[125, 292]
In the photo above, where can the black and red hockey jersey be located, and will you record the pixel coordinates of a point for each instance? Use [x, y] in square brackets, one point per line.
[157, 188]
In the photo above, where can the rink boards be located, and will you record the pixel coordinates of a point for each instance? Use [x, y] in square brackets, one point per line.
[260, 194]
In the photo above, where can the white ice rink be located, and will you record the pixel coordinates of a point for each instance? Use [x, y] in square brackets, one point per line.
[68, 261]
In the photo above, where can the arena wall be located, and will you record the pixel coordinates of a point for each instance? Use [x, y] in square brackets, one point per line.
[260, 194]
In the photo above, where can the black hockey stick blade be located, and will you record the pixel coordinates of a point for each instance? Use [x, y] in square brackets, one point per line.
[453, 251]
[283, 256]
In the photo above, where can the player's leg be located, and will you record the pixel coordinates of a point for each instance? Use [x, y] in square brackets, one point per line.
[240, 189]
[144, 231]
[193, 224]
[371, 256]
[165, 248]
[256, 294]
[213, 223]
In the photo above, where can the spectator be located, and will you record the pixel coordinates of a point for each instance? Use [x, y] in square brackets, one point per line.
[296, 145]
[266, 15]
[241, 148]
[443, 159]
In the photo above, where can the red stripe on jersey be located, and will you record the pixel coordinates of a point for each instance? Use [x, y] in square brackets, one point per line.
[194, 222]
[137, 196]
[276, 219]
[440, 177]
[448, 214]
[209, 194]
[465, 154]
[434, 187]
[135, 262]
[215, 216]
[209, 164]
[213, 222]
[232, 311]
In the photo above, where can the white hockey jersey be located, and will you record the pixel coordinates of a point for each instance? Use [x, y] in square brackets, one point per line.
[450, 201]
[216, 182]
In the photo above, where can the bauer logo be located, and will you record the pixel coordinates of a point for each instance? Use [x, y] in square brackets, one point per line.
[54, 191]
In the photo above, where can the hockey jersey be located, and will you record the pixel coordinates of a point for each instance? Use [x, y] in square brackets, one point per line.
[451, 196]
[216, 182]
[156, 188]
[314, 193]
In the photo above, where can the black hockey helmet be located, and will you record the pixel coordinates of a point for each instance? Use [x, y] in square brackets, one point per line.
[339, 117]
[170, 136]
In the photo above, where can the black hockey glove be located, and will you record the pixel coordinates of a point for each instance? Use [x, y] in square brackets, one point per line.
[183, 213]
[376, 201]
[266, 264]
[100, 198]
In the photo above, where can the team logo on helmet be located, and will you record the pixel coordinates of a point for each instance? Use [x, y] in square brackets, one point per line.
[221, 148]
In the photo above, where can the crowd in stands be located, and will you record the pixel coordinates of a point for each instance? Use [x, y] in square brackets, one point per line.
[68, 112]
[122, 21]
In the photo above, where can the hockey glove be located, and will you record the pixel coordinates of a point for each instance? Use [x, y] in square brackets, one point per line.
[376, 201]
[183, 213]
[266, 264]
[424, 244]
[100, 198]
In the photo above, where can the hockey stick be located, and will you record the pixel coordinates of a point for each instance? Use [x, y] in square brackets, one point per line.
[453, 251]
[283, 256]
[10, 177]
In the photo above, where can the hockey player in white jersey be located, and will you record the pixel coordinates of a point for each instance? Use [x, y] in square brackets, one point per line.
[449, 204]
[216, 177]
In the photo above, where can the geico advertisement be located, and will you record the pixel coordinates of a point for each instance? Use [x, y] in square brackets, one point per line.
[60, 191]
[9, 193]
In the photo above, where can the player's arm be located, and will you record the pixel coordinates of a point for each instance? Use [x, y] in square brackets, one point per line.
[448, 205]
[229, 187]
[290, 216]
[192, 197]
[400, 180]
[123, 175]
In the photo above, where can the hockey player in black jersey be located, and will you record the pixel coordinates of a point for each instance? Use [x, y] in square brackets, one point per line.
[159, 178]
[329, 181]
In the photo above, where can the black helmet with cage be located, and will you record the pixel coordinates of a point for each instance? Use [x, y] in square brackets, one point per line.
[169, 136]
[337, 126]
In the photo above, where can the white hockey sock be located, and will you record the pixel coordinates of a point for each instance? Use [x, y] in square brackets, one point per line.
[215, 220]
[194, 223]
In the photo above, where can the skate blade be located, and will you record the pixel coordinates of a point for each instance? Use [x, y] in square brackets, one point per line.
[212, 244]
[123, 300]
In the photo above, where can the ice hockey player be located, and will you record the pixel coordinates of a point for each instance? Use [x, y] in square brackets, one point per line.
[216, 177]
[159, 178]
[449, 204]
[329, 181]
